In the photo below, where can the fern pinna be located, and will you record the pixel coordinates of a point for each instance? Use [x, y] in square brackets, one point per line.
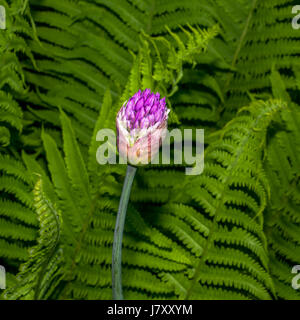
[282, 216]
[41, 268]
[67, 66]
[18, 223]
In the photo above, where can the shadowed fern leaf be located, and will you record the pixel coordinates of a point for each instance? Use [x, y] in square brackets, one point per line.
[17, 220]
[282, 226]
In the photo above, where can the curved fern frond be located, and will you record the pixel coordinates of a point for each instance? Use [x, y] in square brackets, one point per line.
[223, 218]
[42, 267]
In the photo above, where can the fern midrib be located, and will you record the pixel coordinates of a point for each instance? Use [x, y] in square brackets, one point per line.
[268, 229]
[239, 46]
[53, 250]
[151, 14]
[217, 212]
[79, 244]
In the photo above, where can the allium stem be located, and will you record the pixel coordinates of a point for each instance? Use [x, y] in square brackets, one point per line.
[118, 235]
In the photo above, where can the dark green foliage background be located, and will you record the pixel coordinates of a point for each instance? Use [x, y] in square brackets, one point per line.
[67, 66]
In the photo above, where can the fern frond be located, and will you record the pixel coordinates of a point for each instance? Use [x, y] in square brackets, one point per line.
[71, 214]
[36, 273]
[227, 161]
[282, 223]
[76, 168]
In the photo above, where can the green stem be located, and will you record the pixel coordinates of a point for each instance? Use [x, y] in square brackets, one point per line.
[118, 235]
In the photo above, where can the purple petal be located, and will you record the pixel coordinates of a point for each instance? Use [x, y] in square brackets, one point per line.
[131, 116]
[151, 119]
[143, 109]
[146, 93]
[162, 102]
[150, 100]
[136, 124]
[147, 109]
[140, 114]
[137, 96]
[158, 116]
[139, 104]
[130, 104]
[144, 123]
[154, 109]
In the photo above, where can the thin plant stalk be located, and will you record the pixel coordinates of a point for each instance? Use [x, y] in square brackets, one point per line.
[118, 235]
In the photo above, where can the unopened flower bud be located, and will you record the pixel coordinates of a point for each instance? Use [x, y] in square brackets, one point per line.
[141, 127]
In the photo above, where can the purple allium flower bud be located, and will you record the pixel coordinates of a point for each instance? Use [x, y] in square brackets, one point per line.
[141, 126]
